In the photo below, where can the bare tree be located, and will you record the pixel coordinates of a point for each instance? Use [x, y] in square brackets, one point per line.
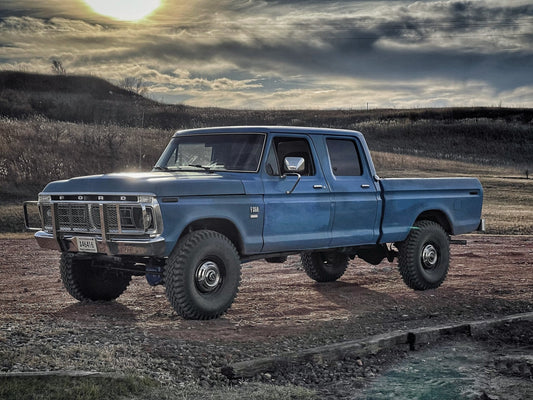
[57, 67]
[134, 84]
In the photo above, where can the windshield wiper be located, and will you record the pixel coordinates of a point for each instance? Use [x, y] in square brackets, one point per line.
[159, 168]
[204, 167]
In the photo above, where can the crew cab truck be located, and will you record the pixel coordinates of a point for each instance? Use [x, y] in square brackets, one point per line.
[219, 197]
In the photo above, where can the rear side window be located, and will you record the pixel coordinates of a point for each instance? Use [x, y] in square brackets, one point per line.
[345, 160]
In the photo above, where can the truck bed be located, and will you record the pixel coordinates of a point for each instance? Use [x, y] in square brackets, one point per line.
[459, 200]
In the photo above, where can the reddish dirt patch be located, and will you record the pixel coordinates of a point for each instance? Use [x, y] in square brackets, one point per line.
[491, 276]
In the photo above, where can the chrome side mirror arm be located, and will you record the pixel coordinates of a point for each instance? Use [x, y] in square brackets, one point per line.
[297, 180]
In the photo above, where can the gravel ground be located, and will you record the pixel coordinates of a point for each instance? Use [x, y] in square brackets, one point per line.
[278, 310]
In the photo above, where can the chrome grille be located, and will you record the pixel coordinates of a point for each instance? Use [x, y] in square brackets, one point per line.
[73, 217]
[94, 212]
[111, 216]
[76, 217]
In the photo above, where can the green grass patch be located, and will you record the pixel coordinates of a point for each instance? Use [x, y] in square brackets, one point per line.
[68, 388]
[131, 387]
[251, 391]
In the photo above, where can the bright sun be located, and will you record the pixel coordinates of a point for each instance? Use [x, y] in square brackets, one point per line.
[124, 10]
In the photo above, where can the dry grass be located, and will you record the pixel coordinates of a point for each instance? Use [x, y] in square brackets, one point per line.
[508, 204]
[15, 235]
[11, 218]
[36, 151]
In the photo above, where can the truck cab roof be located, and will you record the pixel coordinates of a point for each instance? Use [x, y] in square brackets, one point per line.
[296, 130]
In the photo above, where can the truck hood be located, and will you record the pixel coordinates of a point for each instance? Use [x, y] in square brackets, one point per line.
[159, 183]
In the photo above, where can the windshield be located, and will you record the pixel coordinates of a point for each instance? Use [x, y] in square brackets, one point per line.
[213, 152]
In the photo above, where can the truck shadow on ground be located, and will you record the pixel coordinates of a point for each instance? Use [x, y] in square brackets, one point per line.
[98, 311]
[350, 295]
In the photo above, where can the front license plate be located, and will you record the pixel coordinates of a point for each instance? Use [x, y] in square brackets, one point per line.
[87, 245]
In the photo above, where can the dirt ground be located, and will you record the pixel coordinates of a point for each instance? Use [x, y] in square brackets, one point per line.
[278, 309]
[490, 276]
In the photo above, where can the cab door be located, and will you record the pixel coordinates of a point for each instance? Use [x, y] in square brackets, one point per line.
[297, 215]
[355, 194]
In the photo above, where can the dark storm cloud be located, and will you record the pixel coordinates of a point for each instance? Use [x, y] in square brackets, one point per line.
[292, 45]
[350, 46]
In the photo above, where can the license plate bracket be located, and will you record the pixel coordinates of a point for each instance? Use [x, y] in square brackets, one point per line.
[87, 245]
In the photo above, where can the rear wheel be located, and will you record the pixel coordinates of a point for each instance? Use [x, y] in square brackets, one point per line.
[324, 266]
[424, 256]
[85, 281]
[202, 275]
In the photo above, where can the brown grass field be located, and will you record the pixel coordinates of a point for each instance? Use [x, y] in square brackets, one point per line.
[36, 151]
[55, 127]
[68, 149]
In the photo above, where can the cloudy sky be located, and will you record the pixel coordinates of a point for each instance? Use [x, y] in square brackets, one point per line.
[284, 54]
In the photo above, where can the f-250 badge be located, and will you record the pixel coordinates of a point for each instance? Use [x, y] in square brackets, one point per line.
[254, 211]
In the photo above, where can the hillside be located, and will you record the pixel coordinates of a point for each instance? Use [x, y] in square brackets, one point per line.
[84, 99]
[63, 84]
[93, 100]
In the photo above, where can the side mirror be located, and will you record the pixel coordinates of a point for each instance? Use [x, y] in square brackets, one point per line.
[294, 164]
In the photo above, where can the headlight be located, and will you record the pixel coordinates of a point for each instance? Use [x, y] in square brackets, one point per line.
[147, 219]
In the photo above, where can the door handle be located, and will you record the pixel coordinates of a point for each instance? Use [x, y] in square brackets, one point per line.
[365, 186]
[318, 186]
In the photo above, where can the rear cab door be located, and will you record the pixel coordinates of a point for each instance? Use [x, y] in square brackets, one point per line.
[355, 193]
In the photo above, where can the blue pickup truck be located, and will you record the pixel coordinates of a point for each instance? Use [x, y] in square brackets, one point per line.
[220, 197]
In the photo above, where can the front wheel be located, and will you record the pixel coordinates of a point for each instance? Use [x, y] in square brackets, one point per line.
[86, 281]
[424, 256]
[324, 266]
[202, 275]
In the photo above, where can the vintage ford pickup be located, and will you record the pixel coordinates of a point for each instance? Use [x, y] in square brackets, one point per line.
[219, 197]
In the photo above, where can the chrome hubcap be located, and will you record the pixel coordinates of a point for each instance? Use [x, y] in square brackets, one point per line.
[208, 277]
[429, 257]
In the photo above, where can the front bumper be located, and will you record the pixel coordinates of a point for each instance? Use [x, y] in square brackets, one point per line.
[152, 247]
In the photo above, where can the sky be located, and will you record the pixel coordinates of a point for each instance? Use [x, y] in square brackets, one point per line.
[286, 54]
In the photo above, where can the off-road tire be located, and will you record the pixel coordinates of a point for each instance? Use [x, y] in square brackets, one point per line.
[85, 282]
[202, 275]
[424, 256]
[324, 266]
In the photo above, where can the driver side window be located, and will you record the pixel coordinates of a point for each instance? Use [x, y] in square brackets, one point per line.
[289, 147]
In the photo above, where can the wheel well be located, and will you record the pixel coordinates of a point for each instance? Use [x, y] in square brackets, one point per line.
[219, 225]
[439, 217]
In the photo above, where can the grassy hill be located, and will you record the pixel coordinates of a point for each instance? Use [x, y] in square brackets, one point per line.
[93, 100]
[55, 127]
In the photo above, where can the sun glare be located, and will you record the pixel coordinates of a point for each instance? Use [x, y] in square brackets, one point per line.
[124, 10]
